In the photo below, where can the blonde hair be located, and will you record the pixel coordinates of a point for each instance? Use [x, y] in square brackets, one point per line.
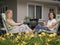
[8, 11]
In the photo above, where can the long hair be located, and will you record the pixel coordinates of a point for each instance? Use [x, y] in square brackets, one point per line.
[53, 14]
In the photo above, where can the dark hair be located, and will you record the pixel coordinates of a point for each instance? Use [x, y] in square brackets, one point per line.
[53, 14]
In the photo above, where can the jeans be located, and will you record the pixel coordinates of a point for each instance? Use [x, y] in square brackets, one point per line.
[38, 27]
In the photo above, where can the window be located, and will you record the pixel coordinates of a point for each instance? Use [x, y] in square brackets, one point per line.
[35, 11]
[38, 12]
[31, 10]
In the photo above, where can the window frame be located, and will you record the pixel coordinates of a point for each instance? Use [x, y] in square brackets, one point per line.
[35, 4]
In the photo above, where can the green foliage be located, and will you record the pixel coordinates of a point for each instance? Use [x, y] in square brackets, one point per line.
[30, 39]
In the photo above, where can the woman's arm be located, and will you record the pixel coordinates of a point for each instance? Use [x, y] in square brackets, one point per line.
[52, 25]
[45, 24]
[13, 23]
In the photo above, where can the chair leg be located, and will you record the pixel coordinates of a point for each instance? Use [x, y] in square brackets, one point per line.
[2, 32]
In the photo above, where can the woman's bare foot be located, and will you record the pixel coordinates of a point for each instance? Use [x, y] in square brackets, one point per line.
[27, 32]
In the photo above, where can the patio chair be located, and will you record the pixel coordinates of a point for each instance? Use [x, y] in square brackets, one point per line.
[2, 29]
[56, 28]
[52, 31]
[6, 29]
[4, 22]
[58, 31]
[33, 23]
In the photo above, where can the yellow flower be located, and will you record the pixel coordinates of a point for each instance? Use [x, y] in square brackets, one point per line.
[35, 44]
[47, 44]
[19, 43]
[26, 36]
[32, 35]
[11, 34]
[58, 40]
[39, 35]
[18, 37]
[49, 40]
[24, 42]
[43, 34]
[3, 38]
[0, 37]
[27, 32]
[7, 34]
[53, 35]
[19, 33]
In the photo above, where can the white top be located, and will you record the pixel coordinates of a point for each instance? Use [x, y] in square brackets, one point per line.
[50, 23]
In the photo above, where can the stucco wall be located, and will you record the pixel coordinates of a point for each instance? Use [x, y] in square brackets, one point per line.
[21, 9]
[12, 4]
[46, 10]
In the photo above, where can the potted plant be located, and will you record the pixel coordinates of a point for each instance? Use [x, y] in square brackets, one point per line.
[27, 19]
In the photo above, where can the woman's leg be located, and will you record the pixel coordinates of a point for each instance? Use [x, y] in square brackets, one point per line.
[21, 28]
[27, 28]
[15, 29]
[38, 27]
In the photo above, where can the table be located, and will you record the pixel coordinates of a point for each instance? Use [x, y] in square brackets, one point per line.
[32, 24]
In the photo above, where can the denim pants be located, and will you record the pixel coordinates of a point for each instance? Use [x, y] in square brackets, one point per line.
[38, 27]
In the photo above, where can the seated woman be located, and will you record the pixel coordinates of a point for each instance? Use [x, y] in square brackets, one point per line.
[50, 25]
[13, 26]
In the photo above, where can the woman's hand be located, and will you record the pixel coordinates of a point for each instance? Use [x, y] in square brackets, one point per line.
[22, 21]
[53, 25]
[45, 24]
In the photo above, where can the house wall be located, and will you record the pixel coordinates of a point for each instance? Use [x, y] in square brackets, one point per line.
[22, 9]
[41, 0]
[46, 10]
[12, 4]
[48, 1]
[19, 8]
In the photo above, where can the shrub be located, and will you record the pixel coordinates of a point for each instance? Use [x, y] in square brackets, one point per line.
[30, 39]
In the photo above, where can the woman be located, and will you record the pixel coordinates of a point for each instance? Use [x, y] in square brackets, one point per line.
[50, 25]
[13, 26]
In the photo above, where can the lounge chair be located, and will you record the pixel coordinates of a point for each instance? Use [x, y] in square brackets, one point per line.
[4, 22]
[52, 31]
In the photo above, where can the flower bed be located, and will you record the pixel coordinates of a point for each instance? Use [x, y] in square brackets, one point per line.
[30, 39]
